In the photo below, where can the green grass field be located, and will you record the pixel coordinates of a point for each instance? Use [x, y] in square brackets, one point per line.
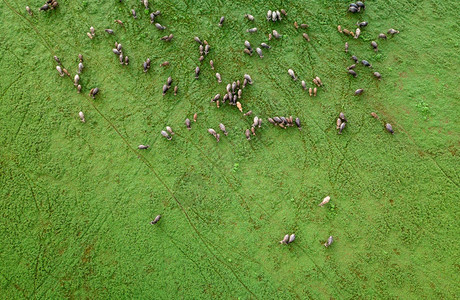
[76, 198]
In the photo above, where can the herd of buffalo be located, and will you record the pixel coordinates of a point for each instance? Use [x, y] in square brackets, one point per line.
[233, 94]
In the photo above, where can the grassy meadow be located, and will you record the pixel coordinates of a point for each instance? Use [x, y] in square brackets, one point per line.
[76, 198]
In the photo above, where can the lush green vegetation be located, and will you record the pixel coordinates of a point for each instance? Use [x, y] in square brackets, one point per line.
[76, 198]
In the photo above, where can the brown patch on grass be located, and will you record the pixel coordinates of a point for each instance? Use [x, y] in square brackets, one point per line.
[453, 150]
[87, 254]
